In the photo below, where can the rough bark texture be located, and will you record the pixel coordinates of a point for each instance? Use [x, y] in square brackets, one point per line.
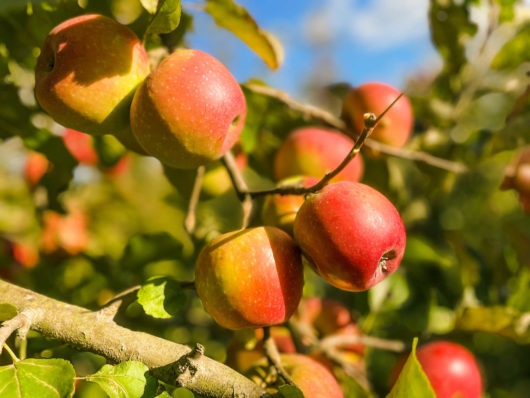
[95, 332]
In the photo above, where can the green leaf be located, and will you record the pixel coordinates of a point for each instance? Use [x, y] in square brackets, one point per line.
[520, 298]
[515, 51]
[506, 9]
[182, 393]
[504, 321]
[237, 20]
[43, 378]
[412, 381]
[7, 311]
[166, 19]
[288, 391]
[125, 380]
[147, 248]
[150, 5]
[162, 297]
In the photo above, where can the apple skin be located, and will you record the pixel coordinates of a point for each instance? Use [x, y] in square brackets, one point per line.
[314, 151]
[80, 145]
[280, 210]
[250, 278]
[395, 127]
[450, 368]
[314, 379]
[345, 230]
[35, 167]
[189, 111]
[87, 72]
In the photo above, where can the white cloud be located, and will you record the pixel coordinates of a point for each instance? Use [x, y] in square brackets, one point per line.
[378, 24]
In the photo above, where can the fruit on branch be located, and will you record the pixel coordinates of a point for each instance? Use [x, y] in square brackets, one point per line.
[35, 167]
[517, 177]
[394, 128]
[450, 368]
[80, 145]
[314, 151]
[87, 72]
[250, 278]
[311, 377]
[64, 235]
[280, 210]
[189, 111]
[246, 346]
[351, 235]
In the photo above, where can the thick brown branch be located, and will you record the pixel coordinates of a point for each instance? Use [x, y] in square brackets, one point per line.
[310, 112]
[90, 331]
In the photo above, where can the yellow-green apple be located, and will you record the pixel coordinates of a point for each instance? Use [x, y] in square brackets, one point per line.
[314, 151]
[517, 177]
[189, 111]
[35, 167]
[246, 346]
[351, 234]
[250, 278]
[280, 210]
[64, 234]
[450, 368]
[395, 127]
[86, 75]
[311, 377]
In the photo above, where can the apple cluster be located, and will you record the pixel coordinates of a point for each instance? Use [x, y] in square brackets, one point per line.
[93, 76]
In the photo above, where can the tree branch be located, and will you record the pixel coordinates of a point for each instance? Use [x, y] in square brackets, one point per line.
[90, 331]
[240, 186]
[310, 112]
[191, 218]
[273, 356]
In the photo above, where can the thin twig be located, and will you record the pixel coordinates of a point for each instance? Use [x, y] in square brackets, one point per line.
[273, 356]
[335, 341]
[21, 323]
[191, 216]
[340, 360]
[110, 309]
[310, 112]
[240, 186]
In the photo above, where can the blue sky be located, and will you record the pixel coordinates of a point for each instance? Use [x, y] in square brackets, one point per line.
[356, 40]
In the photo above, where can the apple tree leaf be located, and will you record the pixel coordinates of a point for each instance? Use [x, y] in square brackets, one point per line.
[288, 391]
[182, 393]
[126, 380]
[43, 378]
[412, 381]
[150, 5]
[506, 11]
[166, 18]
[162, 297]
[7, 311]
[237, 20]
[515, 51]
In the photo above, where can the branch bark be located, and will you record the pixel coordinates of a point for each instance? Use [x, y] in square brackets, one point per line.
[94, 332]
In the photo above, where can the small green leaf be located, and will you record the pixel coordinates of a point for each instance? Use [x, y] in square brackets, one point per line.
[126, 380]
[7, 311]
[237, 20]
[506, 12]
[515, 51]
[150, 5]
[288, 391]
[166, 19]
[43, 378]
[162, 297]
[182, 393]
[412, 381]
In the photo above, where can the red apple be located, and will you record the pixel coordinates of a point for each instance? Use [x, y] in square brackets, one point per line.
[450, 368]
[395, 127]
[87, 72]
[36, 166]
[189, 111]
[64, 234]
[351, 234]
[25, 254]
[314, 151]
[280, 210]
[80, 145]
[250, 278]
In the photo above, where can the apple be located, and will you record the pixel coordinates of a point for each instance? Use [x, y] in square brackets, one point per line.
[314, 151]
[311, 377]
[517, 177]
[250, 278]
[450, 368]
[280, 210]
[35, 167]
[80, 145]
[395, 127]
[189, 111]
[25, 254]
[87, 72]
[351, 235]
[64, 234]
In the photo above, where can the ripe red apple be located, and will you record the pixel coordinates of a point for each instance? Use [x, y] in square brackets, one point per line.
[87, 72]
[280, 210]
[450, 368]
[395, 127]
[25, 254]
[250, 278]
[64, 234]
[80, 145]
[189, 111]
[36, 166]
[314, 151]
[311, 377]
[351, 234]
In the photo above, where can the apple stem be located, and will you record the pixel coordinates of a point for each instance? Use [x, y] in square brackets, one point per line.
[190, 220]
[273, 356]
